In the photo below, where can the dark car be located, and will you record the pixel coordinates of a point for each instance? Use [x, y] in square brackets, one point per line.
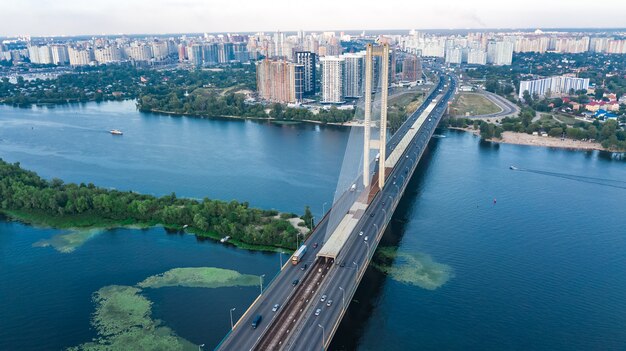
[256, 321]
[295, 282]
[315, 246]
[372, 214]
[303, 267]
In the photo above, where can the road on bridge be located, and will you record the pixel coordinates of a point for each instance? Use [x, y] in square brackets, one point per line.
[345, 274]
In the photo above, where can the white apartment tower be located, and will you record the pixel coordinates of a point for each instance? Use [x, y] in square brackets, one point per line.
[108, 54]
[500, 53]
[79, 57]
[139, 52]
[40, 54]
[353, 75]
[60, 55]
[332, 79]
[550, 86]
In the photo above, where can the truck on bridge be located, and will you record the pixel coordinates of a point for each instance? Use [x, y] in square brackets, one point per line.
[295, 259]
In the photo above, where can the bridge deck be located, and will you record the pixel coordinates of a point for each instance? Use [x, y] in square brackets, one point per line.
[293, 327]
[338, 238]
[393, 158]
[340, 235]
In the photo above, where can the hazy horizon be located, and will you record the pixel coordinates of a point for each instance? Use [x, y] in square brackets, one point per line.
[347, 31]
[77, 18]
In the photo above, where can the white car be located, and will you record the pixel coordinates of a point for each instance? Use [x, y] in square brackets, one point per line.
[361, 233]
[330, 302]
[275, 308]
[365, 239]
[323, 298]
[318, 311]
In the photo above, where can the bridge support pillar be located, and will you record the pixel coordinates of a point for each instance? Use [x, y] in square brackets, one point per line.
[371, 52]
[368, 116]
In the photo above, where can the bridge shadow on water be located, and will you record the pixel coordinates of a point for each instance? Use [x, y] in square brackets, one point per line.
[363, 303]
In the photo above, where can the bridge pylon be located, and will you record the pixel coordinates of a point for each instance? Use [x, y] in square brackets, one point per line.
[372, 51]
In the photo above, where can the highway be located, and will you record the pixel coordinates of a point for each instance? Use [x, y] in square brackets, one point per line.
[507, 108]
[281, 290]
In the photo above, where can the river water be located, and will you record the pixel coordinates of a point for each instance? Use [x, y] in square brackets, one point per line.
[487, 258]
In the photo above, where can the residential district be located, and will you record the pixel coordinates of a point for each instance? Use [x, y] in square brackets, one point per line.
[327, 68]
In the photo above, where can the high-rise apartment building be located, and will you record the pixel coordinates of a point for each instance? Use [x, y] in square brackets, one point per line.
[182, 52]
[453, 55]
[532, 44]
[353, 75]
[279, 39]
[550, 86]
[308, 60]
[280, 81]
[195, 54]
[226, 52]
[332, 79]
[500, 53]
[241, 53]
[40, 54]
[572, 45]
[411, 68]
[79, 57]
[108, 54]
[33, 54]
[608, 45]
[211, 54]
[60, 55]
[139, 52]
[160, 50]
[476, 57]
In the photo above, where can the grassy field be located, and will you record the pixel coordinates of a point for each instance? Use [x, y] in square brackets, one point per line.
[410, 99]
[560, 118]
[473, 105]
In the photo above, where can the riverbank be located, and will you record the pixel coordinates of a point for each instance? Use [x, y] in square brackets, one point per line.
[537, 140]
[95, 223]
[29, 198]
[353, 123]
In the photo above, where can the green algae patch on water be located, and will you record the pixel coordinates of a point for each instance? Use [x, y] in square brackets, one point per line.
[199, 277]
[417, 269]
[68, 242]
[123, 321]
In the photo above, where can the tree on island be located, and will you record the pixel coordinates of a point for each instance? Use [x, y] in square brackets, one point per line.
[307, 217]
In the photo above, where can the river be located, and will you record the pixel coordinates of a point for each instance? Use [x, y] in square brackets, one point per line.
[528, 259]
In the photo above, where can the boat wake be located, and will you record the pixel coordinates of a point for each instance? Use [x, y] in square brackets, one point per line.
[619, 184]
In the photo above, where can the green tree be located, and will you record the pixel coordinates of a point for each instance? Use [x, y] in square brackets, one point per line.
[307, 217]
[487, 130]
[527, 98]
[598, 93]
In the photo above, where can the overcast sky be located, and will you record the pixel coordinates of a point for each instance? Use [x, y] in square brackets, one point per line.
[72, 17]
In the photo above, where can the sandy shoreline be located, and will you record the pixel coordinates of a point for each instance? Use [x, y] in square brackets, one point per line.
[536, 140]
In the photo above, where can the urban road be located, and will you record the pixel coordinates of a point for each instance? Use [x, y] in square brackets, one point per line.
[295, 326]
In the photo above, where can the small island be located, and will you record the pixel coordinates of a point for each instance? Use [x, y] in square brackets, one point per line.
[27, 197]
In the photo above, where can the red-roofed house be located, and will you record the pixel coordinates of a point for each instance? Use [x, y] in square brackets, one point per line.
[595, 105]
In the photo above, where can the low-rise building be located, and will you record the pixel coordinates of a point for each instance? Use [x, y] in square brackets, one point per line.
[596, 105]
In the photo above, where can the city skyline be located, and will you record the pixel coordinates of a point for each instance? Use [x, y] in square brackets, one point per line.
[47, 18]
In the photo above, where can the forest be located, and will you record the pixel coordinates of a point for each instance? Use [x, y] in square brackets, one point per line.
[27, 197]
[117, 82]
